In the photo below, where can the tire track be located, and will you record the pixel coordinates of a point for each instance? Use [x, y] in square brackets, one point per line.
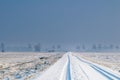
[103, 72]
[77, 72]
[84, 72]
[68, 77]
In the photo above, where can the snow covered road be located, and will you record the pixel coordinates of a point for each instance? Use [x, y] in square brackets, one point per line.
[71, 67]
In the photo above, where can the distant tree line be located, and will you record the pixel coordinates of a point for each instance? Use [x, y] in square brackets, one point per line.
[98, 47]
[38, 48]
[54, 48]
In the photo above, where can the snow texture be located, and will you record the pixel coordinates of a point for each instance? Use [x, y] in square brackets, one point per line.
[71, 67]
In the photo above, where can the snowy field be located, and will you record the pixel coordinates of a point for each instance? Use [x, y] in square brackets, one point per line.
[25, 66]
[74, 66]
[110, 60]
[59, 66]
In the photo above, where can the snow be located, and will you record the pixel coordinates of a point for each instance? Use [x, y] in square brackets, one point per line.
[25, 66]
[54, 72]
[71, 67]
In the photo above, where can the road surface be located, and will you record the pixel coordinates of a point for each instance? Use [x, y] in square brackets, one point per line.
[71, 67]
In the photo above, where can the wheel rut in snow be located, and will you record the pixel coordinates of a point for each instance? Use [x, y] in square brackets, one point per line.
[103, 72]
[71, 67]
[68, 76]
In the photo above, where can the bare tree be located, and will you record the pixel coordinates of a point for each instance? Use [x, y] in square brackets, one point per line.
[37, 47]
[30, 47]
[53, 48]
[117, 46]
[77, 48]
[2, 47]
[94, 46]
[58, 46]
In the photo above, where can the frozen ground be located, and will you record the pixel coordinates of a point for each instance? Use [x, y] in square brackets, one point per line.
[52, 66]
[110, 60]
[74, 67]
[25, 66]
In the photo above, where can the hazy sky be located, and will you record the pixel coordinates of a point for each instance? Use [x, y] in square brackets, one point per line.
[60, 21]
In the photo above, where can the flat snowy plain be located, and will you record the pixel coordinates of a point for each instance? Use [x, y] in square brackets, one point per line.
[110, 60]
[25, 65]
[59, 66]
[74, 67]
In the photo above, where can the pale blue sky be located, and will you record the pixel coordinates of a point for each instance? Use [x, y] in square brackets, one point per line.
[60, 21]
